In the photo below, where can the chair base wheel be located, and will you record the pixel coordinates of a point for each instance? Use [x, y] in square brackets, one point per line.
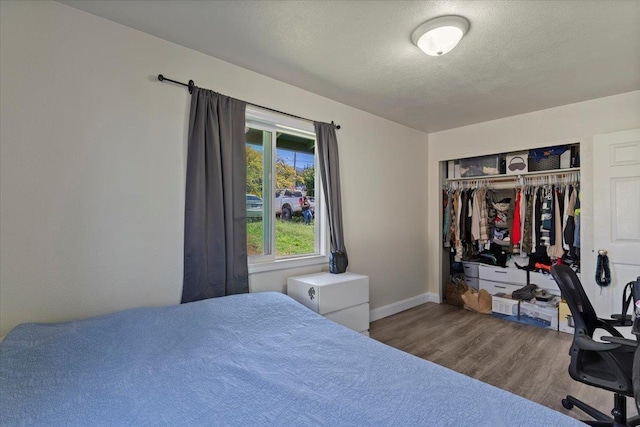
[567, 404]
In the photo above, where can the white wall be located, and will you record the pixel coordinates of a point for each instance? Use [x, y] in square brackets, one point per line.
[575, 122]
[93, 164]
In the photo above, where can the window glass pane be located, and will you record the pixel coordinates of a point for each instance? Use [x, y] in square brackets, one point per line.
[295, 181]
[258, 191]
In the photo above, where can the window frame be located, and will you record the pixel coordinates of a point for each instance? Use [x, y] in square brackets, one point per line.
[273, 122]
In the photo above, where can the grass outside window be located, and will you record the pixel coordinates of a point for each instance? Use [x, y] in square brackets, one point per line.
[294, 237]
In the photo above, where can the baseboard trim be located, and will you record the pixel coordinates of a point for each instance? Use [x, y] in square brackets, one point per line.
[405, 304]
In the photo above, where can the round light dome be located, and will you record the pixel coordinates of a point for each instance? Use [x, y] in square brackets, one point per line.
[440, 35]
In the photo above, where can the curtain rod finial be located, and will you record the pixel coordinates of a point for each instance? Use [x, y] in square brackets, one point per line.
[337, 126]
[160, 77]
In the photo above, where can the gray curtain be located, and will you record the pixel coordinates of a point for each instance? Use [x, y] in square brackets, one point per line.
[215, 235]
[330, 175]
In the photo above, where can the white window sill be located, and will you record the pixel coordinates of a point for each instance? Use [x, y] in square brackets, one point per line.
[284, 264]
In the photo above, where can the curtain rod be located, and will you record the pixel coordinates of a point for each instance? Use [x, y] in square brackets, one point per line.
[191, 85]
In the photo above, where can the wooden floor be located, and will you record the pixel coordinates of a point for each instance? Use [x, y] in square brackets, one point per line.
[528, 361]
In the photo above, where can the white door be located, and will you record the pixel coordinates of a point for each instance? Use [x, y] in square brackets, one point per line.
[616, 214]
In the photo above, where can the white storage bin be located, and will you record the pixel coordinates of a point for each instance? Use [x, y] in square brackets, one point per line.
[470, 269]
[480, 166]
[517, 163]
[472, 282]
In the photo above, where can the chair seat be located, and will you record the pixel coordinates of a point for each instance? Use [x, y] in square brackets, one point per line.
[593, 365]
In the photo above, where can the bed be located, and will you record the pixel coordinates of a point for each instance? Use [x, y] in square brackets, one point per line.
[245, 360]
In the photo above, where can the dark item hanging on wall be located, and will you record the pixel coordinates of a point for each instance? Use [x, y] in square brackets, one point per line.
[603, 273]
[623, 318]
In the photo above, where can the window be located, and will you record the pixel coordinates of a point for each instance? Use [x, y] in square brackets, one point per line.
[284, 220]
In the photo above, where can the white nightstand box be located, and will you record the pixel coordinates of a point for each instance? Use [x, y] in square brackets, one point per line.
[343, 298]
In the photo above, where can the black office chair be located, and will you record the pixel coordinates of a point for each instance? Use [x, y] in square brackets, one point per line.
[607, 365]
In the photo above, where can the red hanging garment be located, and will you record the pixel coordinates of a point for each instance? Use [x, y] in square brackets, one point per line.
[516, 227]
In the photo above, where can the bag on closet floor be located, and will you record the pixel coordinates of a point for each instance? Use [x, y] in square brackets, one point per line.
[525, 293]
[455, 288]
[477, 301]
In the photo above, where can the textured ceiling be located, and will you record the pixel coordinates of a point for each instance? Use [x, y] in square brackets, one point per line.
[518, 56]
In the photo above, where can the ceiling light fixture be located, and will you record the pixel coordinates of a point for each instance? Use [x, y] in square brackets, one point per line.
[440, 35]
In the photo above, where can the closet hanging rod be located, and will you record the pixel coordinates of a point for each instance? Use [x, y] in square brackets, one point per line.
[191, 85]
[500, 177]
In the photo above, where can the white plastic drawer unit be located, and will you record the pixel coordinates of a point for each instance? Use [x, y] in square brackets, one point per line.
[356, 317]
[326, 292]
[472, 282]
[343, 298]
[470, 269]
[544, 281]
[505, 275]
[498, 287]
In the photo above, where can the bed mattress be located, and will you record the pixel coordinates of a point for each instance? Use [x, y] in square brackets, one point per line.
[245, 360]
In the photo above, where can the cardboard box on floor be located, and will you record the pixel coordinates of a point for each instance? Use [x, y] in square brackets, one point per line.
[565, 321]
[525, 312]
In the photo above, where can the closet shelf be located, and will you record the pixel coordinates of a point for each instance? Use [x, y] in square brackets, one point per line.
[504, 177]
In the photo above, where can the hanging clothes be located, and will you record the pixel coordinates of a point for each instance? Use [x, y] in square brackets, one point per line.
[569, 230]
[546, 217]
[515, 229]
[484, 215]
[464, 207]
[458, 239]
[538, 215]
[534, 217]
[565, 218]
[446, 220]
[576, 235]
[552, 229]
[467, 239]
[555, 250]
[527, 237]
[503, 218]
[475, 216]
[523, 217]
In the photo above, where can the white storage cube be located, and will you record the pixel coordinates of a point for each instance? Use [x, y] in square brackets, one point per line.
[545, 316]
[343, 298]
[356, 317]
[326, 292]
[506, 306]
[517, 163]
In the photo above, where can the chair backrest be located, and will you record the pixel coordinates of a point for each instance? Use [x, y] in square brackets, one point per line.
[585, 318]
[636, 291]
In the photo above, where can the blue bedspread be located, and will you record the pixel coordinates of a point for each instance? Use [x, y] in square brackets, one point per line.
[245, 360]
